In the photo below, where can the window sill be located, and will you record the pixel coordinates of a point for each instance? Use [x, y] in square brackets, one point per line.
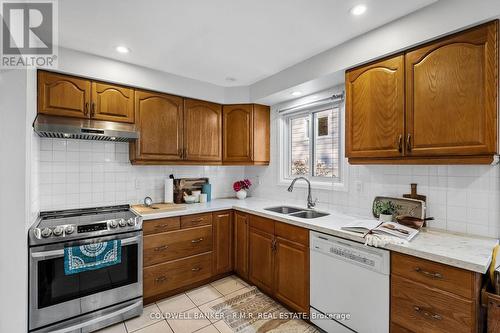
[315, 185]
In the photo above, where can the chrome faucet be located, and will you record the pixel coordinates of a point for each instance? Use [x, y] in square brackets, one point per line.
[310, 202]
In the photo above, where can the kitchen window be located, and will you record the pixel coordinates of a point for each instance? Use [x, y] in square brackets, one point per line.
[311, 144]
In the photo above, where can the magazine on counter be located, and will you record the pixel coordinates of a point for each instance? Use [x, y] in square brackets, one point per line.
[385, 228]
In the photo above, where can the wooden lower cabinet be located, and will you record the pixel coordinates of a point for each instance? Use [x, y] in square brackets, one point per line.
[261, 260]
[162, 278]
[223, 242]
[241, 244]
[432, 297]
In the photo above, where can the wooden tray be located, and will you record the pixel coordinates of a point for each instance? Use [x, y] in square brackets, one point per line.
[158, 208]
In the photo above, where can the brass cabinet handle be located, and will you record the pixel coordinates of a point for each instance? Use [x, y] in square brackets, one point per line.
[197, 240]
[92, 109]
[161, 248]
[408, 143]
[429, 274]
[86, 109]
[400, 143]
[196, 269]
[273, 245]
[180, 152]
[160, 279]
[197, 220]
[184, 153]
[161, 226]
[427, 314]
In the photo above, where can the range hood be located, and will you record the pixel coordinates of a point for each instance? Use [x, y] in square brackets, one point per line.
[83, 129]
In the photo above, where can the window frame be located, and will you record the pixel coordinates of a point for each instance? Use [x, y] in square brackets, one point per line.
[336, 183]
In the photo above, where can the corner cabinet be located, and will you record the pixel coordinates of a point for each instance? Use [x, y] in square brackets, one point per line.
[246, 133]
[434, 104]
[159, 119]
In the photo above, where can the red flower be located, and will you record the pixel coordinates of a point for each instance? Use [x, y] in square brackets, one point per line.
[242, 184]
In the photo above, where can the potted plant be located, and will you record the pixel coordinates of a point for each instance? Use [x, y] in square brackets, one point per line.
[241, 187]
[385, 210]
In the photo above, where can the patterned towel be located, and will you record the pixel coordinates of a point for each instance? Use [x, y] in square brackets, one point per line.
[91, 256]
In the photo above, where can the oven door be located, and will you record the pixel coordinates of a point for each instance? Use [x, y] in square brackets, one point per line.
[55, 296]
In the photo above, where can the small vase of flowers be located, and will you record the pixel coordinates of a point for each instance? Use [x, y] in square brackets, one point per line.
[241, 187]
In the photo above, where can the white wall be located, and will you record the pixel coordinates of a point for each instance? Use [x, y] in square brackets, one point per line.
[461, 198]
[14, 194]
[79, 174]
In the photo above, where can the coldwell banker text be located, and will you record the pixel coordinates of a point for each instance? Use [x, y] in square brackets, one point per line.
[29, 34]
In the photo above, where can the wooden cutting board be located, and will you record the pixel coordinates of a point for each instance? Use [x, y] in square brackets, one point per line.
[158, 208]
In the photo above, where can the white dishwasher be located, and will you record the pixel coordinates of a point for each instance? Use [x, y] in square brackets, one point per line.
[350, 285]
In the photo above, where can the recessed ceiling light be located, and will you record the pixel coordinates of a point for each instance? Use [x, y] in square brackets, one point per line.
[296, 93]
[230, 79]
[358, 10]
[122, 49]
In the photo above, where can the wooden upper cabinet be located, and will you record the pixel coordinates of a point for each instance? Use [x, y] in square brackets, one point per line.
[112, 103]
[62, 95]
[451, 93]
[375, 109]
[159, 118]
[238, 133]
[246, 133]
[202, 131]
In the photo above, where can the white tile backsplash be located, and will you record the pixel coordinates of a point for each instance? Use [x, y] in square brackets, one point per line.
[76, 174]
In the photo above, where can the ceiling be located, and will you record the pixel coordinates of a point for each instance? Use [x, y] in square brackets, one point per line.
[212, 40]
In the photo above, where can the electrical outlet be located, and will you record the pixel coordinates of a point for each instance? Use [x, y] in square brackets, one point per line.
[359, 186]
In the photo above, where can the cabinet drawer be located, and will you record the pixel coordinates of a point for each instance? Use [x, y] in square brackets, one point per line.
[422, 309]
[161, 225]
[175, 274]
[196, 220]
[262, 224]
[292, 233]
[176, 244]
[454, 280]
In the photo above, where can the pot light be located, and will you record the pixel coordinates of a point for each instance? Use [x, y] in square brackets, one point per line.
[358, 10]
[296, 93]
[230, 79]
[122, 49]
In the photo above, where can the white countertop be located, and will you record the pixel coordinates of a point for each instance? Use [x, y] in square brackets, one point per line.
[469, 252]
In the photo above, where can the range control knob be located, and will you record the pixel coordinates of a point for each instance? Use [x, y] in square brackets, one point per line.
[113, 224]
[131, 221]
[70, 229]
[122, 223]
[46, 232]
[58, 231]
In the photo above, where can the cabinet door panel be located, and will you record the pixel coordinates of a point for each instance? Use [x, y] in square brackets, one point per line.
[223, 245]
[159, 119]
[261, 134]
[62, 95]
[202, 130]
[452, 94]
[112, 103]
[292, 274]
[241, 244]
[238, 133]
[375, 109]
[261, 260]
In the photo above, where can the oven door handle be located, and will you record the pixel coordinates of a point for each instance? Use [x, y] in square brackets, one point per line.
[45, 255]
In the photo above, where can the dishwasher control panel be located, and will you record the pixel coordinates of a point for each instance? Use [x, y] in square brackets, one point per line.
[355, 253]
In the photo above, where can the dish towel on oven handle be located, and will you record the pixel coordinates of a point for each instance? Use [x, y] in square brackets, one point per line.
[92, 256]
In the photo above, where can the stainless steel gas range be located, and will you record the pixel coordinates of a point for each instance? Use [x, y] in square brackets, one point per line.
[91, 299]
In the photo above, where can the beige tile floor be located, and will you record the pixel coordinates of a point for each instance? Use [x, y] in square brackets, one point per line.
[193, 305]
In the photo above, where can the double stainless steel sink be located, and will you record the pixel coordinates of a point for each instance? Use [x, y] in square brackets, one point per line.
[297, 212]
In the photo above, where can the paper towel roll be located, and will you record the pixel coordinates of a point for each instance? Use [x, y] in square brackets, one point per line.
[169, 190]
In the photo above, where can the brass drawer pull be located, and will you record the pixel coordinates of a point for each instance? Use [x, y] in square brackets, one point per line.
[196, 269]
[400, 143]
[408, 143]
[161, 226]
[427, 314]
[429, 274]
[86, 110]
[160, 279]
[161, 248]
[197, 220]
[197, 240]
